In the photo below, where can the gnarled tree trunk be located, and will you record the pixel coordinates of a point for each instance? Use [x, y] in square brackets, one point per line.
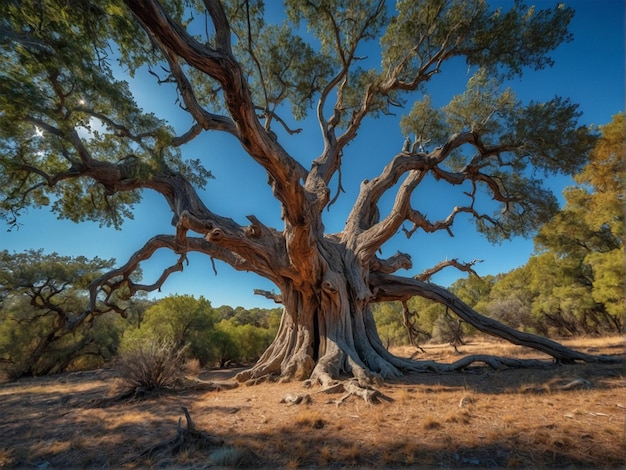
[328, 333]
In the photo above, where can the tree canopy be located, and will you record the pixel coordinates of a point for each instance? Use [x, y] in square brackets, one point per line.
[42, 301]
[73, 138]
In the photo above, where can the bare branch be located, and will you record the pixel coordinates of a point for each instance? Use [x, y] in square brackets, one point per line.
[466, 267]
[408, 320]
[391, 264]
[281, 121]
[369, 241]
[26, 40]
[371, 191]
[328, 163]
[119, 278]
[207, 120]
[269, 295]
[420, 221]
[222, 28]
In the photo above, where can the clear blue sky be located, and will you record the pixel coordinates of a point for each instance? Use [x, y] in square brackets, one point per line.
[589, 70]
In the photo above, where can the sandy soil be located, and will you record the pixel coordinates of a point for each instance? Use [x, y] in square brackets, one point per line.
[562, 417]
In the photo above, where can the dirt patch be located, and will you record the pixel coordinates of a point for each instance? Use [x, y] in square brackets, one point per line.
[479, 418]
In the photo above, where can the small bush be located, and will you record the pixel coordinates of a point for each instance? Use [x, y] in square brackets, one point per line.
[152, 365]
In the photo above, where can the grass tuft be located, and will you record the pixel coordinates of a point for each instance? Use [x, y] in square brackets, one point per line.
[229, 456]
[310, 419]
[430, 423]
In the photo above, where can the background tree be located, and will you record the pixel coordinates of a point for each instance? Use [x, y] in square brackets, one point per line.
[389, 318]
[574, 282]
[182, 321]
[586, 238]
[237, 74]
[212, 336]
[42, 296]
[510, 301]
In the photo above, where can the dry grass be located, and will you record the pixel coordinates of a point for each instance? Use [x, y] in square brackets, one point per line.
[476, 419]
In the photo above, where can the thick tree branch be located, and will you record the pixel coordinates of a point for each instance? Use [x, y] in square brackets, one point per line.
[373, 232]
[391, 264]
[112, 281]
[371, 191]
[373, 238]
[207, 120]
[220, 64]
[116, 281]
[386, 287]
[362, 216]
[222, 29]
[285, 173]
[277, 298]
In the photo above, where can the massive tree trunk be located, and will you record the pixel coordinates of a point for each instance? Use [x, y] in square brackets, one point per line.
[328, 333]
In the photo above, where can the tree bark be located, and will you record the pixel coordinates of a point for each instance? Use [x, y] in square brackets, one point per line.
[328, 335]
[327, 332]
[389, 287]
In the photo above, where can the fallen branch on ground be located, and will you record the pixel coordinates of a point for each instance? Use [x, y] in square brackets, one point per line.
[186, 438]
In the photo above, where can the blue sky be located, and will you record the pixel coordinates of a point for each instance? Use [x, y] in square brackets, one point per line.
[589, 70]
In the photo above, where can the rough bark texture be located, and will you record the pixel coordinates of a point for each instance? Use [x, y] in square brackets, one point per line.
[327, 335]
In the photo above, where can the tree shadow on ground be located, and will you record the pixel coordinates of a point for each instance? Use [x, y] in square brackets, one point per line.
[473, 419]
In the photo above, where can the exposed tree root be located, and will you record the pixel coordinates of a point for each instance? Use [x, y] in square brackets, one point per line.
[495, 362]
[350, 388]
[369, 394]
[202, 385]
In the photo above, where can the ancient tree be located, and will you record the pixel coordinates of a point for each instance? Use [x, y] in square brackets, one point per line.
[73, 138]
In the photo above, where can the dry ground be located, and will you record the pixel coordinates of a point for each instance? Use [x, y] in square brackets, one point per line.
[479, 418]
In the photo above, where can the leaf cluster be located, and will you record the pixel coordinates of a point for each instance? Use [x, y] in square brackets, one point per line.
[41, 296]
[65, 115]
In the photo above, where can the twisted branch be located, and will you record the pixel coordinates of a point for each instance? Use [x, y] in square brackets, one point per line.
[466, 267]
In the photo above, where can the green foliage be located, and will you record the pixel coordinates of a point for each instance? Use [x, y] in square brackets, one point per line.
[242, 344]
[181, 319]
[397, 327]
[510, 301]
[474, 290]
[61, 104]
[42, 297]
[213, 336]
[436, 29]
[574, 284]
[389, 323]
